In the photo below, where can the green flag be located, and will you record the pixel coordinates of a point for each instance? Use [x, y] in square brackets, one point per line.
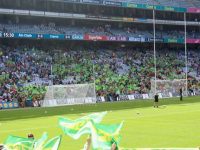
[96, 117]
[18, 143]
[53, 143]
[102, 135]
[40, 142]
[72, 127]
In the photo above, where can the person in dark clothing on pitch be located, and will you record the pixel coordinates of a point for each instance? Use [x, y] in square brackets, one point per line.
[181, 95]
[156, 101]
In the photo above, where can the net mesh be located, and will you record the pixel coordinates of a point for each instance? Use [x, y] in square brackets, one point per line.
[69, 94]
[169, 88]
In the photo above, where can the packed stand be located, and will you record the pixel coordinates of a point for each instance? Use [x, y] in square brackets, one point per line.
[20, 71]
[25, 72]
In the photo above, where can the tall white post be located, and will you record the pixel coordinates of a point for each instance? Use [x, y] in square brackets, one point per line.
[94, 80]
[186, 61]
[154, 49]
[52, 70]
[52, 78]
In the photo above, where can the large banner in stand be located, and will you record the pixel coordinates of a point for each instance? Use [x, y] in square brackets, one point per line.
[1, 34]
[193, 41]
[113, 3]
[89, 37]
[8, 105]
[193, 10]
[77, 37]
[91, 1]
[95, 37]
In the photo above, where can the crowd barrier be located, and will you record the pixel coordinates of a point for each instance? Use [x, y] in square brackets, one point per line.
[11, 105]
[143, 96]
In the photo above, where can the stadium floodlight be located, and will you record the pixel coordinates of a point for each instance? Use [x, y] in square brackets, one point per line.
[58, 95]
[169, 88]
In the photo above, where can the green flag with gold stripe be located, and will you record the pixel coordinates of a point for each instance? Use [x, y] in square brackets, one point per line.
[102, 135]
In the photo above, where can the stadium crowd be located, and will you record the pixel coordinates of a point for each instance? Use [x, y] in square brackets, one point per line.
[24, 72]
[18, 68]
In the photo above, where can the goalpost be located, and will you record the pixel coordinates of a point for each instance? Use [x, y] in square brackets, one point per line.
[169, 88]
[70, 94]
[58, 95]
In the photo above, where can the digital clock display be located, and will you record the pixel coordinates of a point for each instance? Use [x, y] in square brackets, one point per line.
[9, 35]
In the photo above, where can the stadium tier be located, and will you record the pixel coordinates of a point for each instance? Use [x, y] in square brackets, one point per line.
[109, 45]
[104, 30]
[173, 3]
[138, 61]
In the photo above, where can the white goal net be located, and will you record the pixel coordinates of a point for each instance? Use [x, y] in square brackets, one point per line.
[169, 88]
[57, 95]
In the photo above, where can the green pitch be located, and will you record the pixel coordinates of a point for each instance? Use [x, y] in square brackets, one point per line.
[173, 124]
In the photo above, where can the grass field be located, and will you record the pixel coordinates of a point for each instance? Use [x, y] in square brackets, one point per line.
[174, 124]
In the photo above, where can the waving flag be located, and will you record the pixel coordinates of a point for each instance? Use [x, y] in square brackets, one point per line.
[18, 143]
[72, 127]
[38, 145]
[95, 117]
[52, 144]
[103, 136]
